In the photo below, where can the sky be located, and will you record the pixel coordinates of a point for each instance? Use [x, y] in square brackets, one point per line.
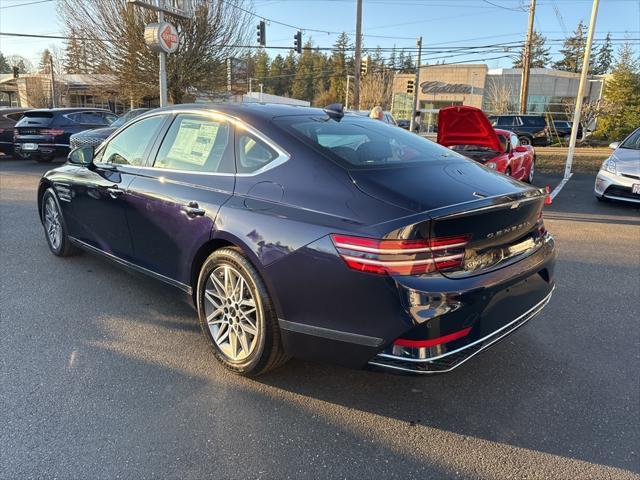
[458, 23]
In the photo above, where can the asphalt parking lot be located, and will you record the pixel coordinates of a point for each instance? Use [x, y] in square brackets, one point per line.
[106, 375]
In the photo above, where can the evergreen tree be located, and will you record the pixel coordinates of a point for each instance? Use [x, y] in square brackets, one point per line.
[278, 80]
[302, 87]
[621, 96]
[290, 66]
[4, 64]
[22, 66]
[45, 62]
[391, 62]
[408, 66]
[75, 60]
[400, 61]
[377, 60]
[540, 57]
[261, 69]
[604, 57]
[321, 72]
[572, 51]
[339, 67]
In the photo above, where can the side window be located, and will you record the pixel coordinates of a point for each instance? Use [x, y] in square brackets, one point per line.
[514, 141]
[109, 118]
[15, 116]
[74, 117]
[195, 143]
[93, 118]
[128, 147]
[252, 153]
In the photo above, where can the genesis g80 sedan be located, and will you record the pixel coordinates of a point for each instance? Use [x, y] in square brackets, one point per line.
[310, 233]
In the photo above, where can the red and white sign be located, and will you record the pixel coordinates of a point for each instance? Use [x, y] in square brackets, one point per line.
[161, 37]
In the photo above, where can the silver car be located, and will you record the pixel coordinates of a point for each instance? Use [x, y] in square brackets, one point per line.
[619, 176]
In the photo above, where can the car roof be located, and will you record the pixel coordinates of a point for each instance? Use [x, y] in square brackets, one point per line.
[68, 110]
[262, 111]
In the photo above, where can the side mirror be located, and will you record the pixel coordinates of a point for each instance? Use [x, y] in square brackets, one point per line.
[82, 156]
[521, 149]
[614, 145]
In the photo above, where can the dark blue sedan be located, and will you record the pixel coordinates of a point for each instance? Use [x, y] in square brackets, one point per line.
[310, 233]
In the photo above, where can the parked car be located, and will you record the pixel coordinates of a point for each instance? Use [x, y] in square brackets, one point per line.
[44, 134]
[619, 176]
[563, 129]
[403, 123]
[531, 129]
[467, 131]
[387, 117]
[96, 136]
[306, 232]
[8, 119]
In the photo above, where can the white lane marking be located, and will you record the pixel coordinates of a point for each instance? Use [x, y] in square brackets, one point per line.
[72, 359]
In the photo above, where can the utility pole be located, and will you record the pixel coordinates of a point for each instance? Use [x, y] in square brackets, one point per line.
[414, 105]
[346, 97]
[583, 82]
[53, 83]
[358, 55]
[526, 60]
[163, 69]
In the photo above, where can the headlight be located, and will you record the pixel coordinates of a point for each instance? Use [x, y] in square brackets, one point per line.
[609, 165]
[491, 165]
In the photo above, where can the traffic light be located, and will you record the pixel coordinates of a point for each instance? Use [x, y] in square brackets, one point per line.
[16, 72]
[262, 34]
[297, 42]
[364, 65]
[410, 86]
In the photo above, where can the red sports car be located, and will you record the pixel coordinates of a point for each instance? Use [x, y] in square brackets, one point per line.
[467, 131]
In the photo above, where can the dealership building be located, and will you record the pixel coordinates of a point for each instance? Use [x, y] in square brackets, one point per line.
[493, 90]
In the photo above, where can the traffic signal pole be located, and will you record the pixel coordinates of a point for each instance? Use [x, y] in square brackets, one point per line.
[583, 82]
[163, 70]
[358, 55]
[414, 105]
[526, 60]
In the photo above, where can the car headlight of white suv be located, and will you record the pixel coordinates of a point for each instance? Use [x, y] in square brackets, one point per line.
[609, 165]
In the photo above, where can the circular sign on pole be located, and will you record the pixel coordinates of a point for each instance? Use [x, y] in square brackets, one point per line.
[161, 37]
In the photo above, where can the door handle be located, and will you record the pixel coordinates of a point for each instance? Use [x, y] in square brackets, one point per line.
[192, 209]
[115, 192]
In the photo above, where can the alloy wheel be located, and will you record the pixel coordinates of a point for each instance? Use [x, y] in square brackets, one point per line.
[52, 223]
[232, 313]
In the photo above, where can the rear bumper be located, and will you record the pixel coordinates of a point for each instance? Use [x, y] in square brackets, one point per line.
[44, 150]
[430, 360]
[355, 319]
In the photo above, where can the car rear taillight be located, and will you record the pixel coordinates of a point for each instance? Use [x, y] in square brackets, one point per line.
[542, 230]
[400, 257]
[51, 131]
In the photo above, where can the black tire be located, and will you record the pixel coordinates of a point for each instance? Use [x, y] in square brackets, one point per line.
[524, 140]
[532, 171]
[44, 159]
[62, 247]
[268, 352]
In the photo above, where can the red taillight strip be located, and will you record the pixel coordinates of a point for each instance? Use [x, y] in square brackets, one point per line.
[403, 342]
[396, 251]
[402, 263]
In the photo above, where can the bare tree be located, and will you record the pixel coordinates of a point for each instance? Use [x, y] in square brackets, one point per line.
[375, 89]
[590, 112]
[500, 98]
[113, 32]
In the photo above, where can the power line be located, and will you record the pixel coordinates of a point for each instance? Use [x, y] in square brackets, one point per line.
[503, 7]
[25, 4]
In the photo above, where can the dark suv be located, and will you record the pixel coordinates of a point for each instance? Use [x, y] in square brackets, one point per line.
[531, 129]
[8, 119]
[44, 134]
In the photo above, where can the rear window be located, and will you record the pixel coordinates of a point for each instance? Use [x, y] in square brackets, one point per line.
[357, 142]
[534, 121]
[35, 119]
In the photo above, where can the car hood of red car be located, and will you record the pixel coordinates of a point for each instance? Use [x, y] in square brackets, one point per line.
[463, 125]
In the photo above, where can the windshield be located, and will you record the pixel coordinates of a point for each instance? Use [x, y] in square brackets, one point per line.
[358, 142]
[632, 142]
[130, 115]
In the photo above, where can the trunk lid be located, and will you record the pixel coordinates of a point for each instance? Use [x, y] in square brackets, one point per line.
[498, 217]
[463, 125]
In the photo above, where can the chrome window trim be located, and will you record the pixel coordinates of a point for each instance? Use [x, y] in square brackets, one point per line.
[283, 155]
